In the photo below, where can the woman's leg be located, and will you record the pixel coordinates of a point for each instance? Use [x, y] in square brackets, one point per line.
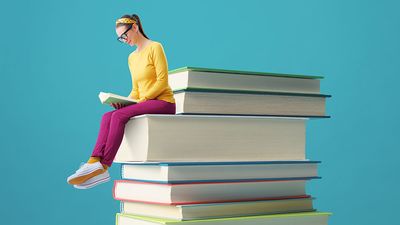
[121, 116]
[102, 136]
[110, 136]
[97, 154]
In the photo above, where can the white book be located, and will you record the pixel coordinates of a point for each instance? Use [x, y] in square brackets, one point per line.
[184, 172]
[108, 98]
[193, 77]
[248, 103]
[163, 137]
[217, 210]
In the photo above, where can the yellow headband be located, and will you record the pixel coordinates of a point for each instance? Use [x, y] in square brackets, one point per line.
[125, 20]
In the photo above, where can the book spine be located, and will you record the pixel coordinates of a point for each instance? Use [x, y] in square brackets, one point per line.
[122, 171]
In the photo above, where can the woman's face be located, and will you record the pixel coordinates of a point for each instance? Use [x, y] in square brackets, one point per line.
[128, 36]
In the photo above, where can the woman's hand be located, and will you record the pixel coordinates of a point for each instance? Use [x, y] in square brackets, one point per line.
[142, 99]
[117, 105]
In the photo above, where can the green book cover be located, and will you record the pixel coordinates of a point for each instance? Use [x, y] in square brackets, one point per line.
[215, 70]
[233, 219]
[214, 90]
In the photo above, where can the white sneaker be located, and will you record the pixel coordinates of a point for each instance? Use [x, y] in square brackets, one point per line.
[94, 181]
[85, 172]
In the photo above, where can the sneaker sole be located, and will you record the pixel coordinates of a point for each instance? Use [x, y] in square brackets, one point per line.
[81, 179]
[87, 186]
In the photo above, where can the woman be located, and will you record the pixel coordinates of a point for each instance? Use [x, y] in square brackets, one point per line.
[149, 71]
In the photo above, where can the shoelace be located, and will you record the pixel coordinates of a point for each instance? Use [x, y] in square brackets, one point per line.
[81, 166]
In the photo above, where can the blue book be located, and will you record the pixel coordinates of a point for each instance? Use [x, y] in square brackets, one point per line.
[239, 171]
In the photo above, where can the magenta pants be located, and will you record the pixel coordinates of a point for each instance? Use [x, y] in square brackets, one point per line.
[113, 125]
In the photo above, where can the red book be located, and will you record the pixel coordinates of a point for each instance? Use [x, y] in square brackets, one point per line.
[208, 192]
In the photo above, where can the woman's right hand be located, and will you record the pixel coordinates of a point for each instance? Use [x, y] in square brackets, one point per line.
[117, 105]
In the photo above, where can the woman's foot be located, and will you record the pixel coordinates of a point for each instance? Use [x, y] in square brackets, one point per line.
[86, 172]
[94, 181]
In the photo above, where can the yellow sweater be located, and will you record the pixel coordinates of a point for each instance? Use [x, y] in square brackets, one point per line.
[149, 71]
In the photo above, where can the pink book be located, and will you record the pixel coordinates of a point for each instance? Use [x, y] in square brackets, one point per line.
[208, 192]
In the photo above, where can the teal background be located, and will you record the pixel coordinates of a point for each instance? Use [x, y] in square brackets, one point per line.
[57, 55]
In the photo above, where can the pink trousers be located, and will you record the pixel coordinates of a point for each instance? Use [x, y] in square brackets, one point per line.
[113, 125]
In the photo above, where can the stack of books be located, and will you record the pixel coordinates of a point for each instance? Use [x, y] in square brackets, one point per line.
[233, 154]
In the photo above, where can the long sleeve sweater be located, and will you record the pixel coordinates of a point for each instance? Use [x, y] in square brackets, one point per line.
[149, 72]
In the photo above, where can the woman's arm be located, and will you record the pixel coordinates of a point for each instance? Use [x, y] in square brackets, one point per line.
[134, 93]
[161, 67]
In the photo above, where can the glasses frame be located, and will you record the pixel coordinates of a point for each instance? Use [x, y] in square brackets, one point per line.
[122, 38]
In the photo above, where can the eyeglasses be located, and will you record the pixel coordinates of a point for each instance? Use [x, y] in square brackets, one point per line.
[123, 36]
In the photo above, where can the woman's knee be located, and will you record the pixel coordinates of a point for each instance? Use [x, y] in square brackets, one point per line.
[120, 117]
[107, 115]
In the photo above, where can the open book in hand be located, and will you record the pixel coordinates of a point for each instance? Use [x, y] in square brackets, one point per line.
[108, 98]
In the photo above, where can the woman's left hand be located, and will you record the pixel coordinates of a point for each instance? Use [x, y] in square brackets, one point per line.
[143, 99]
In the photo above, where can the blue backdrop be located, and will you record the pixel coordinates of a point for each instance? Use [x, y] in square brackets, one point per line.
[57, 55]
